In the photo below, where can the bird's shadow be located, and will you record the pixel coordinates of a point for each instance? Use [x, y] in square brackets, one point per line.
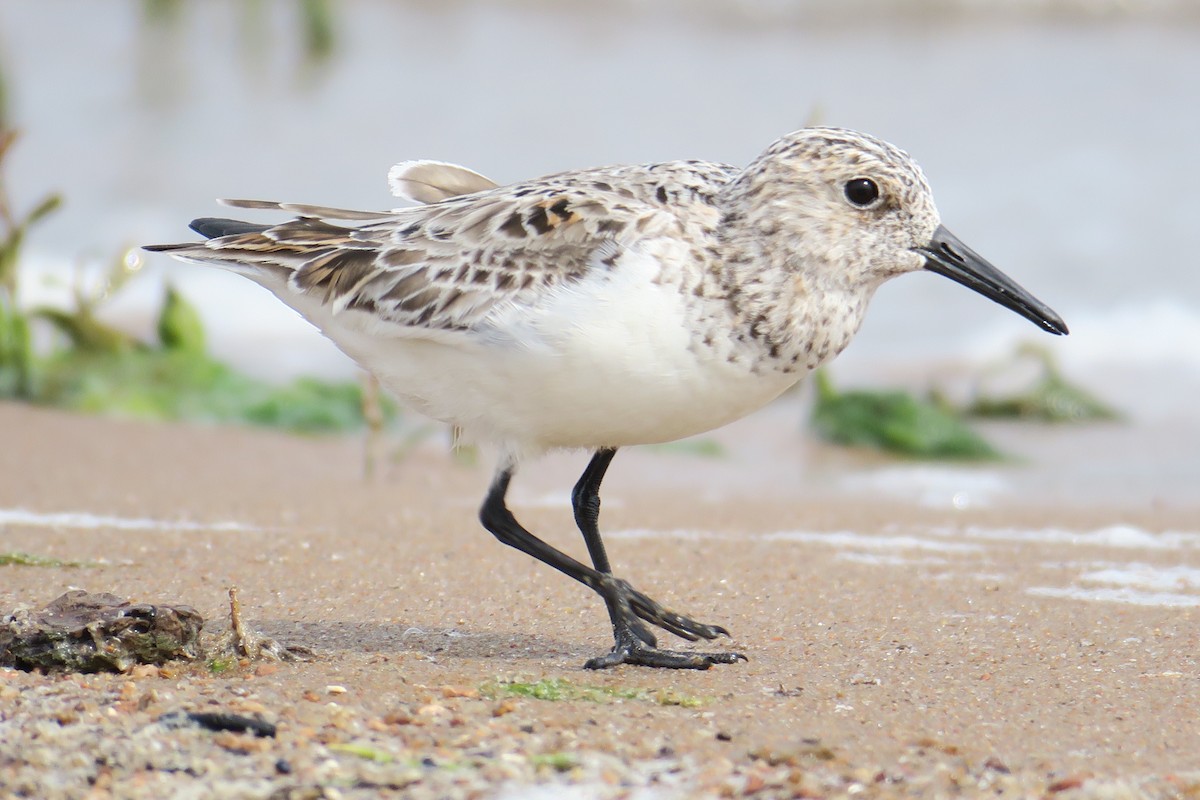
[377, 637]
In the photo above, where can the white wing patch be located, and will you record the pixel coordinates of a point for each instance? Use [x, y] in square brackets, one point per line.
[427, 181]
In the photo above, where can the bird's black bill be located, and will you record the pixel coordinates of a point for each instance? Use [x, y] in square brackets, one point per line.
[948, 256]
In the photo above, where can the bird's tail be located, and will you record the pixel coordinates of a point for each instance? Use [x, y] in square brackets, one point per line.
[277, 251]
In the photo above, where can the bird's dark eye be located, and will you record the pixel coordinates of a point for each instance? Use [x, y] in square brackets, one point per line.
[862, 192]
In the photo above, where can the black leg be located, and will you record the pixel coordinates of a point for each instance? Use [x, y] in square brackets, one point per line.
[635, 643]
[625, 603]
[585, 500]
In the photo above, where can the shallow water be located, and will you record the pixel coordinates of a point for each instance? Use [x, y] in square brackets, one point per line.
[1059, 145]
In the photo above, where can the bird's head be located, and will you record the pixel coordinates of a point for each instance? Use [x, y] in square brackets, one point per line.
[853, 211]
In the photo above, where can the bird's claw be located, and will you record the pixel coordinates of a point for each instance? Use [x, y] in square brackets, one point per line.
[630, 649]
[637, 644]
[630, 603]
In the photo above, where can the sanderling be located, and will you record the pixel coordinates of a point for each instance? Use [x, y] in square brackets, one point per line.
[608, 307]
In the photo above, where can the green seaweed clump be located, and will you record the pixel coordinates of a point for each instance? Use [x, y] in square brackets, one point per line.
[16, 349]
[896, 422]
[560, 689]
[363, 751]
[220, 665]
[1050, 399]
[559, 762]
[178, 380]
[19, 559]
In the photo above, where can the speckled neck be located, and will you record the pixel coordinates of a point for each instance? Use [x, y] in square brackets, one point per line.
[784, 302]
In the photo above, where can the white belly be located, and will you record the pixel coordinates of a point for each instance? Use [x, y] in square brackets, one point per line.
[609, 361]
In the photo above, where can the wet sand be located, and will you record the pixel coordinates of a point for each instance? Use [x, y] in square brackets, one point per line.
[878, 665]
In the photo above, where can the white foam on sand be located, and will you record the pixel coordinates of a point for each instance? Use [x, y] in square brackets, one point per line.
[889, 559]
[931, 487]
[1135, 583]
[1118, 595]
[679, 533]
[847, 539]
[1120, 536]
[839, 539]
[88, 520]
[1125, 537]
[1145, 576]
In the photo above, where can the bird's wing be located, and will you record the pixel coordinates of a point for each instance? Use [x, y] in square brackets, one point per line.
[447, 265]
[433, 181]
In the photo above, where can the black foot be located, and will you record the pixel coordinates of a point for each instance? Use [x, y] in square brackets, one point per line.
[627, 604]
[636, 643]
[630, 649]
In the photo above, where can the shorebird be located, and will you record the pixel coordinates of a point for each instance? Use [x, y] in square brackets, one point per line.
[608, 307]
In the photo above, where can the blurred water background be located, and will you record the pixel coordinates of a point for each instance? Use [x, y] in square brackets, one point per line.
[1060, 138]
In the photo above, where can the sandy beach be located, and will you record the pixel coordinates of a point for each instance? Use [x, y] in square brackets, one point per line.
[894, 649]
[1024, 628]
